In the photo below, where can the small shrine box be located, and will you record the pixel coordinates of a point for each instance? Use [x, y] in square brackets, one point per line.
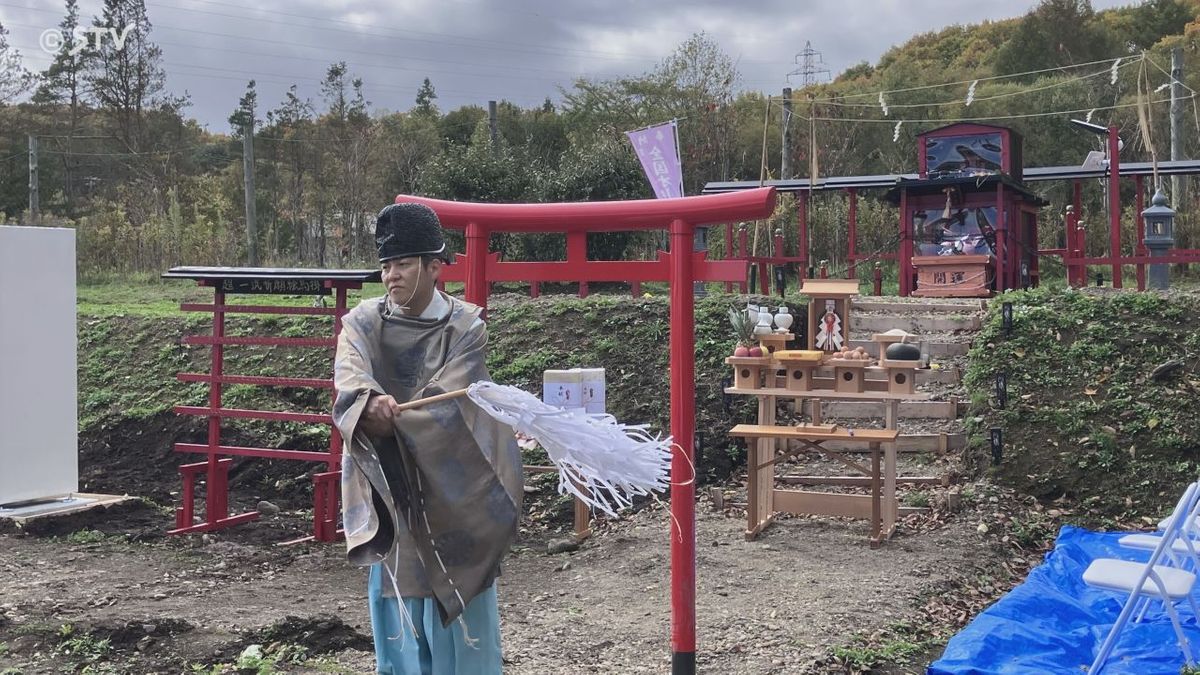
[849, 374]
[901, 375]
[748, 371]
[799, 366]
[829, 312]
[774, 342]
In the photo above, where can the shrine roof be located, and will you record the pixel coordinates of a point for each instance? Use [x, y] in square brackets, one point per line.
[830, 287]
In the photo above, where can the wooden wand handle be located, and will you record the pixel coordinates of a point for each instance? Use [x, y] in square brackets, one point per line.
[431, 399]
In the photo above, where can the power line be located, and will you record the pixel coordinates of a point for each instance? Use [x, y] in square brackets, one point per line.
[1170, 77]
[977, 99]
[1053, 113]
[986, 118]
[980, 79]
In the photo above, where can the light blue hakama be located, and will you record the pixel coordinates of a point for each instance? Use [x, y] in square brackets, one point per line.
[437, 650]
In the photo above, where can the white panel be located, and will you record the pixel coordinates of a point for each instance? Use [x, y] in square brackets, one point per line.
[39, 456]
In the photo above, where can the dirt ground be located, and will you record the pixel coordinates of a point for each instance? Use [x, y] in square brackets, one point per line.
[774, 605]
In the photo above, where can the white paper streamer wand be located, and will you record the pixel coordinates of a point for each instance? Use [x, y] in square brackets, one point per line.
[601, 461]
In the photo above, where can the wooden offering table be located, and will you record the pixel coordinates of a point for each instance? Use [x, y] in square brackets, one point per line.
[765, 499]
[881, 506]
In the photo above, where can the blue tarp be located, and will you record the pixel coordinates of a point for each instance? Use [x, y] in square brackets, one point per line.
[1054, 623]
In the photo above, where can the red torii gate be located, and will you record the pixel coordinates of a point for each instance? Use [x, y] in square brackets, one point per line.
[680, 216]
[576, 268]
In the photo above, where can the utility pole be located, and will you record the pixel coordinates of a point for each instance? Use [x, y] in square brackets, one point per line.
[492, 121]
[248, 170]
[1176, 121]
[785, 162]
[811, 64]
[34, 203]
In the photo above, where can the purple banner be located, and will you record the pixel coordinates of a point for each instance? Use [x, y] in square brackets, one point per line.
[658, 151]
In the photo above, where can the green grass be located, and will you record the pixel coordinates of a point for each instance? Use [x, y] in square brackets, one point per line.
[83, 647]
[864, 656]
[86, 537]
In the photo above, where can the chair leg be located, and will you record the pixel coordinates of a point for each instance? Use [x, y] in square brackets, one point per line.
[1183, 642]
[1111, 639]
[1143, 606]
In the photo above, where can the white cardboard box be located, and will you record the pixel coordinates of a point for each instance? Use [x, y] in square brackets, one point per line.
[562, 388]
[592, 383]
[575, 388]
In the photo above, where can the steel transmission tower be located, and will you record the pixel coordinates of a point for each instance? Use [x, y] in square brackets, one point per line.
[811, 65]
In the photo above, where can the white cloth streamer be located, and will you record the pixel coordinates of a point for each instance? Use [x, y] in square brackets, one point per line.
[601, 461]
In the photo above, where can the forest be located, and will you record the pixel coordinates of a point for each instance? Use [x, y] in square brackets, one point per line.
[147, 187]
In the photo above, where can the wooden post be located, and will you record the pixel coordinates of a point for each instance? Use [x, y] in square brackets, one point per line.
[852, 236]
[248, 174]
[1139, 246]
[875, 508]
[35, 211]
[1114, 205]
[802, 235]
[785, 159]
[1176, 113]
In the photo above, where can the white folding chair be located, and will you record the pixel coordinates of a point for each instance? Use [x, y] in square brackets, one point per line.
[1185, 549]
[1147, 580]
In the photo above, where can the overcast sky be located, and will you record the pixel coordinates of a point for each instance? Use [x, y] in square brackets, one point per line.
[476, 50]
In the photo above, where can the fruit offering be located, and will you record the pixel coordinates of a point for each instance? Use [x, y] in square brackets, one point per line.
[743, 330]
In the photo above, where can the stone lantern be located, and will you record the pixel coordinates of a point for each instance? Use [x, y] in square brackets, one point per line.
[1159, 237]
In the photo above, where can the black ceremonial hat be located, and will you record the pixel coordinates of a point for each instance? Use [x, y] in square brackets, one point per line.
[409, 229]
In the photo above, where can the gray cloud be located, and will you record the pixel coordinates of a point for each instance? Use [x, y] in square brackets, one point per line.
[474, 50]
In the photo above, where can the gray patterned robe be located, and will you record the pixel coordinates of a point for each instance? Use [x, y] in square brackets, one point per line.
[439, 501]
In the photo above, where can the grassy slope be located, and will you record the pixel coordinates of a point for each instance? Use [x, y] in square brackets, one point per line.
[1084, 420]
